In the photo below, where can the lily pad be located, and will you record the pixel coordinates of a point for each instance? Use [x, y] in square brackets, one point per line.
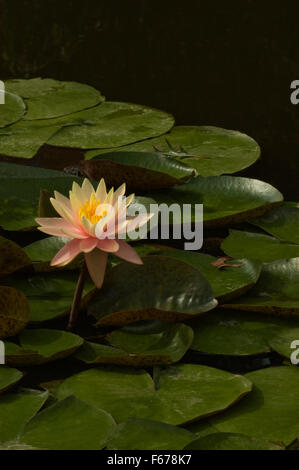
[281, 222]
[41, 346]
[8, 378]
[165, 346]
[12, 110]
[286, 343]
[231, 441]
[276, 292]
[140, 170]
[270, 411]
[237, 333]
[47, 98]
[14, 311]
[12, 257]
[50, 295]
[258, 246]
[162, 288]
[181, 393]
[227, 283]
[226, 199]
[212, 151]
[69, 424]
[111, 124]
[142, 434]
[16, 409]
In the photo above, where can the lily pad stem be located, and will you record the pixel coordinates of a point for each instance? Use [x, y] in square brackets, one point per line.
[77, 297]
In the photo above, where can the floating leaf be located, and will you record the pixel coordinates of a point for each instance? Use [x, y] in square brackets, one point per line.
[41, 346]
[212, 151]
[140, 170]
[69, 424]
[226, 199]
[165, 346]
[141, 434]
[231, 441]
[161, 288]
[286, 342]
[49, 294]
[12, 257]
[111, 124]
[16, 409]
[270, 411]
[13, 109]
[14, 311]
[276, 291]
[258, 246]
[8, 378]
[226, 283]
[183, 392]
[47, 98]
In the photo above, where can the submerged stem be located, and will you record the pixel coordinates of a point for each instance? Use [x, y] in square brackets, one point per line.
[77, 297]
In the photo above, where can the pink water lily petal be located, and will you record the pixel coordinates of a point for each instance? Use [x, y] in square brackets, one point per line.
[53, 231]
[127, 253]
[88, 244]
[67, 253]
[96, 262]
[59, 227]
[108, 244]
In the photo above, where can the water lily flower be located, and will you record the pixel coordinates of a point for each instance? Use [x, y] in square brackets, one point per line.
[97, 223]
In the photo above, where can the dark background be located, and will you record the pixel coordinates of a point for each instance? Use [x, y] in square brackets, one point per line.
[223, 63]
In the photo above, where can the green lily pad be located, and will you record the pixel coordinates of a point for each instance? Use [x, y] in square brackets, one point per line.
[47, 98]
[50, 295]
[281, 222]
[12, 110]
[142, 434]
[14, 311]
[16, 409]
[258, 246]
[165, 346]
[162, 288]
[140, 170]
[270, 411]
[12, 257]
[227, 283]
[276, 292]
[8, 378]
[226, 199]
[41, 346]
[69, 424]
[237, 333]
[212, 151]
[231, 441]
[182, 393]
[111, 124]
[286, 343]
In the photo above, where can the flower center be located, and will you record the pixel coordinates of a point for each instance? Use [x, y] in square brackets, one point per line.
[88, 210]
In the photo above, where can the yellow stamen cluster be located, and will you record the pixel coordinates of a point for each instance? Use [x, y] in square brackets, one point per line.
[88, 210]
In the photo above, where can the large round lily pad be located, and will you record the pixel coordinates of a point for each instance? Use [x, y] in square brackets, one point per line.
[162, 288]
[111, 124]
[41, 346]
[212, 151]
[180, 394]
[12, 257]
[47, 98]
[12, 110]
[163, 345]
[259, 246]
[231, 441]
[276, 291]
[270, 411]
[16, 409]
[226, 199]
[142, 434]
[69, 425]
[286, 343]
[8, 378]
[14, 311]
[281, 222]
[227, 283]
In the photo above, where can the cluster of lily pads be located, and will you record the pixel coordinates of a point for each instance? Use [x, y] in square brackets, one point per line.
[191, 350]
